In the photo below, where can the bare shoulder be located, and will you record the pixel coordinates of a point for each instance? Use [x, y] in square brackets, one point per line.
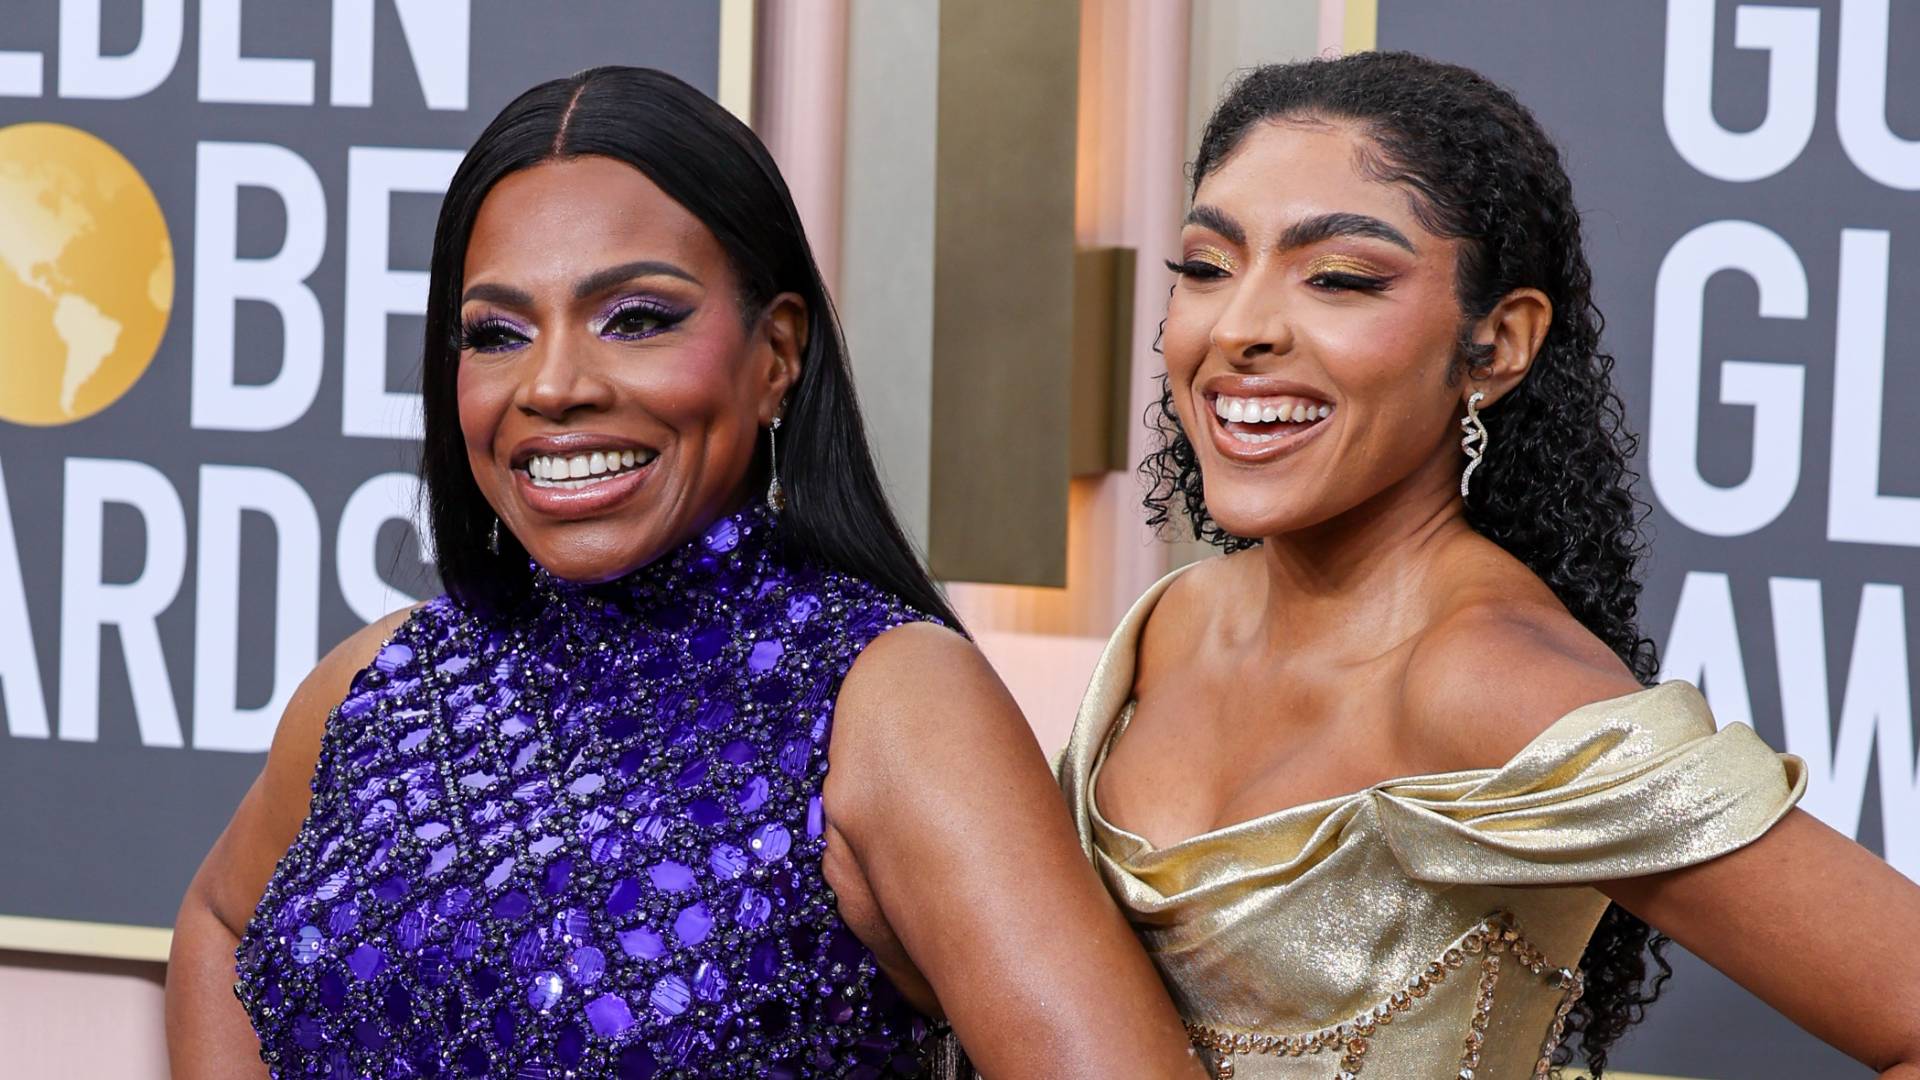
[296, 743]
[918, 681]
[1190, 607]
[1495, 670]
[920, 709]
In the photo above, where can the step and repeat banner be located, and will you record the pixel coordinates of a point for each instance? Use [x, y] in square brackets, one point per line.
[1748, 172]
[215, 221]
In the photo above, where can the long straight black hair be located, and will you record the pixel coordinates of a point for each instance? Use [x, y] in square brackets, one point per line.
[712, 164]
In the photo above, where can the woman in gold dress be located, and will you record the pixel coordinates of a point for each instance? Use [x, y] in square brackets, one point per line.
[1384, 789]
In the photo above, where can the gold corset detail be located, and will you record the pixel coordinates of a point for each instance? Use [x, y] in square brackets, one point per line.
[1342, 919]
[1495, 937]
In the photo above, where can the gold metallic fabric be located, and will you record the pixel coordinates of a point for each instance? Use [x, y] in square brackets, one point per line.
[1305, 919]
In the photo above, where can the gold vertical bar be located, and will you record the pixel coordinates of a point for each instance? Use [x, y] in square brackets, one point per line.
[735, 92]
[1003, 290]
[1362, 31]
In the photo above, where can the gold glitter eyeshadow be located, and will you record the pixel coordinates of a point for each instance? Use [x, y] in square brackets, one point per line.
[1214, 257]
[1344, 264]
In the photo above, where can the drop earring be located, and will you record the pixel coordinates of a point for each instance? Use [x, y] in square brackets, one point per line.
[776, 498]
[493, 538]
[1475, 441]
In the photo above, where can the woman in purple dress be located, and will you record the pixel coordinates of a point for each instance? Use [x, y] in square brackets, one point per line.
[574, 818]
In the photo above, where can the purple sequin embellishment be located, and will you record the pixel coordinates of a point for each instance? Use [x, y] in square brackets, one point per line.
[584, 839]
[609, 1015]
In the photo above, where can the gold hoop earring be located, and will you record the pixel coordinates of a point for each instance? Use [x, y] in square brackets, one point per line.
[1475, 442]
[776, 498]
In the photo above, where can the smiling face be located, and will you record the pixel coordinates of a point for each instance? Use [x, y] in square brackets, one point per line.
[611, 394]
[1310, 339]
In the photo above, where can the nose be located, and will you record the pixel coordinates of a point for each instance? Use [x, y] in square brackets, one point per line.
[1250, 326]
[562, 379]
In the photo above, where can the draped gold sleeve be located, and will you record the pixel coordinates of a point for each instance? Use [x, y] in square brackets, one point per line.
[1306, 923]
[1620, 788]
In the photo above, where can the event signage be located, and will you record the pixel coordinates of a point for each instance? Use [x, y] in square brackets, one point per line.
[215, 220]
[1747, 172]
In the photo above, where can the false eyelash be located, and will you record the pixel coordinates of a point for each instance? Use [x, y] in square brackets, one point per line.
[1194, 268]
[486, 335]
[664, 316]
[1353, 282]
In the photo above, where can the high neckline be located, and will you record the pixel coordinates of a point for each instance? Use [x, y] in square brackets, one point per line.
[732, 541]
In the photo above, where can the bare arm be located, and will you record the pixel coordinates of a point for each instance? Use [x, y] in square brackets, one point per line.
[208, 1034]
[1806, 919]
[954, 858]
[1814, 925]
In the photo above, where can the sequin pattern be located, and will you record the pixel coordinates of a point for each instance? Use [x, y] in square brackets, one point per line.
[586, 843]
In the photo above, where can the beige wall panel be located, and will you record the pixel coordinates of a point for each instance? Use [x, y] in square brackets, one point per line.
[886, 239]
[1003, 290]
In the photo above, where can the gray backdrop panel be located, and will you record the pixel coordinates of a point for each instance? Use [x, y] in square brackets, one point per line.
[111, 831]
[1593, 73]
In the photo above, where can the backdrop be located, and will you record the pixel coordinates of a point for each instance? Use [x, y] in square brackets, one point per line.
[213, 238]
[1747, 173]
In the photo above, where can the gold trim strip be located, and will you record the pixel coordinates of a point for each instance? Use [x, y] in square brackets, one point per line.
[114, 941]
[1361, 32]
[736, 58]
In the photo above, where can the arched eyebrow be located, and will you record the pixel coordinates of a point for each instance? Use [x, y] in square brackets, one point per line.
[1212, 217]
[1306, 231]
[594, 283]
[1321, 227]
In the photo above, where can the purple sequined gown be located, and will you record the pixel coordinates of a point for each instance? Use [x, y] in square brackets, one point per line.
[586, 842]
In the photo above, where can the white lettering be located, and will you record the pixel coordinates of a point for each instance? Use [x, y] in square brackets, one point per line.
[1704, 647]
[89, 604]
[1860, 105]
[22, 74]
[1876, 711]
[437, 33]
[86, 73]
[1791, 37]
[219, 723]
[375, 291]
[387, 497]
[1856, 510]
[20, 690]
[221, 278]
[226, 76]
[1775, 391]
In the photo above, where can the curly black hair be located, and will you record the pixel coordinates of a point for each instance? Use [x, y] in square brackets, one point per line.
[1555, 489]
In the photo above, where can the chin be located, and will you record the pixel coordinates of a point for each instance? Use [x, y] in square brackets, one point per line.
[1256, 515]
[590, 563]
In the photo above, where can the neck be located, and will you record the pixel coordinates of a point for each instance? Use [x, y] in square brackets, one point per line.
[1362, 579]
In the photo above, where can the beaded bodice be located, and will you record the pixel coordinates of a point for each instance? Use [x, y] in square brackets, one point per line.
[1427, 926]
[586, 842]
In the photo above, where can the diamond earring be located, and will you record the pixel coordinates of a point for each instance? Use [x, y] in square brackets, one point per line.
[1475, 442]
[493, 539]
[776, 498]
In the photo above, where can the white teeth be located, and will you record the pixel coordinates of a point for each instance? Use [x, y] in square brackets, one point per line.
[1256, 411]
[547, 470]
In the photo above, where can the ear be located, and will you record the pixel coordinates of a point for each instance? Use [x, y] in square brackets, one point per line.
[1514, 329]
[783, 345]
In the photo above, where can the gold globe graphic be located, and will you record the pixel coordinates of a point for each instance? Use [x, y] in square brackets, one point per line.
[86, 274]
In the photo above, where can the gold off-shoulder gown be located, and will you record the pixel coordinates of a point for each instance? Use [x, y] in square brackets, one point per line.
[1430, 926]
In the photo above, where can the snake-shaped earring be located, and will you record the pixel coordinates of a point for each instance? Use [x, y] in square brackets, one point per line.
[1475, 442]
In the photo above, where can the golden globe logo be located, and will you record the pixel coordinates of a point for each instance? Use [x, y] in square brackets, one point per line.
[86, 274]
